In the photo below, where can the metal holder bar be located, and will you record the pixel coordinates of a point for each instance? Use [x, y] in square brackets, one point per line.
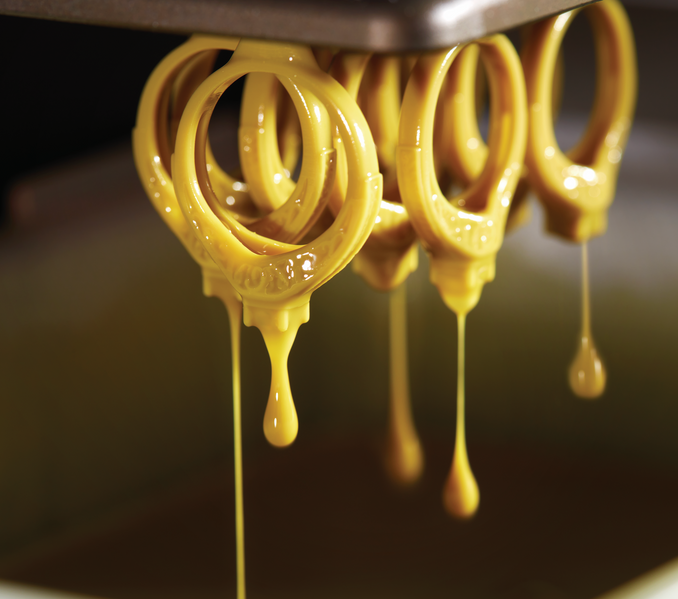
[375, 25]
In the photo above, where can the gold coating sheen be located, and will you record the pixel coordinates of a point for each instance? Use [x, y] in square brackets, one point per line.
[577, 188]
[462, 236]
[376, 139]
[276, 281]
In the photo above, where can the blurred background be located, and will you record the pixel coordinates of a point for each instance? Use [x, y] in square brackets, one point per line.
[115, 416]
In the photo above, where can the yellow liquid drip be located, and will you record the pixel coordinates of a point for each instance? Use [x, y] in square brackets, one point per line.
[218, 287]
[404, 458]
[280, 420]
[461, 495]
[235, 317]
[587, 374]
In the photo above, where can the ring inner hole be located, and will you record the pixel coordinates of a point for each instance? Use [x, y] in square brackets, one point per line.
[223, 137]
[448, 183]
[223, 128]
[578, 84]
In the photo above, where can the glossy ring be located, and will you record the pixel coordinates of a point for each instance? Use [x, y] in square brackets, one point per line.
[279, 276]
[267, 173]
[463, 235]
[390, 253]
[289, 222]
[194, 71]
[578, 187]
[268, 179]
[292, 217]
[151, 144]
[461, 144]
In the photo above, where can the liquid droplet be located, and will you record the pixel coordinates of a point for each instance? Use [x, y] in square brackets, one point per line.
[281, 424]
[587, 374]
[278, 326]
[461, 495]
[404, 458]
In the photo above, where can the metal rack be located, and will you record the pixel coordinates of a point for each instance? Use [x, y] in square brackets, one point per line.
[375, 25]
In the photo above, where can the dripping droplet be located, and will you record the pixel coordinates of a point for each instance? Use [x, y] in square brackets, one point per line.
[281, 424]
[404, 457]
[587, 374]
[279, 328]
[461, 496]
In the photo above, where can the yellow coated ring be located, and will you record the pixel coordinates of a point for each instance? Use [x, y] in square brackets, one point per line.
[289, 133]
[295, 206]
[389, 254]
[380, 102]
[277, 279]
[150, 142]
[268, 180]
[195, 70]
[463, 147]
[462, 144]
[578, 187]
[289, 223]
[471, 224]
[269, 184]
[291, 220]
[462, 236]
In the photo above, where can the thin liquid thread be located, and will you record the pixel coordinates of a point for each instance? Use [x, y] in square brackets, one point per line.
[461, 495]
[587, 376]
[404, 451]
[234, 317]
[460, 439]
[586, 305]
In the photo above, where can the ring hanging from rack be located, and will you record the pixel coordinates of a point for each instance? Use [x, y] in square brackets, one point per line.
[288, 223]
[463, 235]
[390, 253]
[578, 187]
[276, 283]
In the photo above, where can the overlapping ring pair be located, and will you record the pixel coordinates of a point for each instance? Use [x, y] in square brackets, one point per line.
[246, 235]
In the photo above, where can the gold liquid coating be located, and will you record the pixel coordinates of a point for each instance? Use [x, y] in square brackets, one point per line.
[587, 374]
[460, 494]
[404, 458]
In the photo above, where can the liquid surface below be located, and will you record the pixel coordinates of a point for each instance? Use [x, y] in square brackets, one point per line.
[334, 541]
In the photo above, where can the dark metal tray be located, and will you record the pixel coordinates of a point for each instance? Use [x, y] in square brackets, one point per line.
[378, 25]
